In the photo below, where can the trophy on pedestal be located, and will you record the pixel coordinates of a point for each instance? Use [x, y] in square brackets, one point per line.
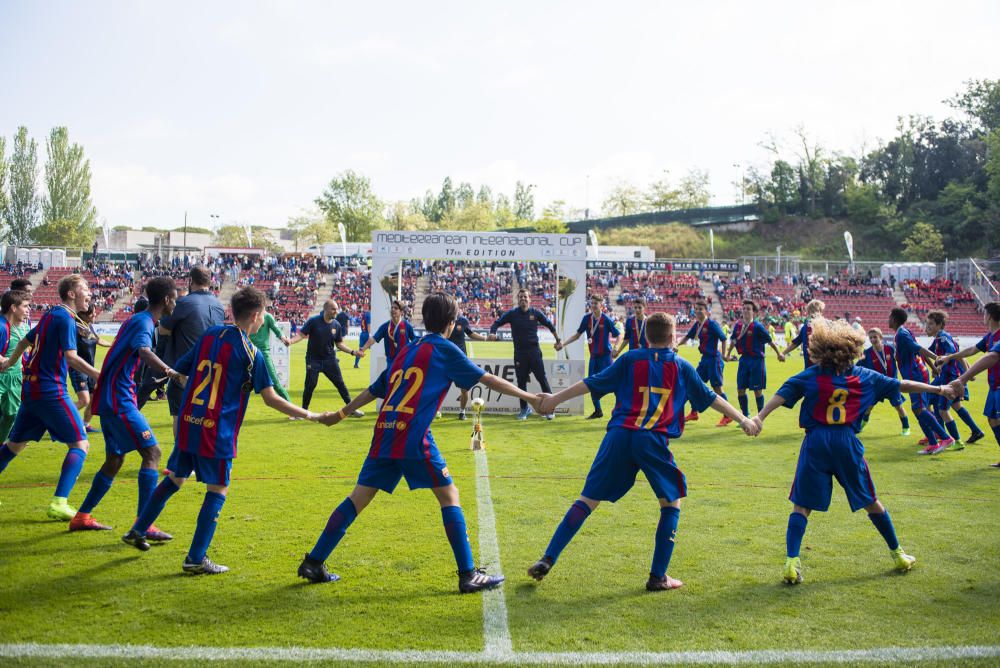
[478, 441]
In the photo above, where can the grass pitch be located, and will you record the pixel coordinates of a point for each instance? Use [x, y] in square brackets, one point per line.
[399, 588]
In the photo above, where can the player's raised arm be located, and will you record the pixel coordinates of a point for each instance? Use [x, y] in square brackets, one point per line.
[506, 387]
[357, 403]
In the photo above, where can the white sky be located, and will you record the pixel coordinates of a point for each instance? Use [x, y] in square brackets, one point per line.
[247, 110]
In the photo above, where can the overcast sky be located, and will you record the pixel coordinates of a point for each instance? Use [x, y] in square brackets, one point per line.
[246, 110]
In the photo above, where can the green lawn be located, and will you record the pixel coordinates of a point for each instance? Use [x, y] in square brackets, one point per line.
[399, 591]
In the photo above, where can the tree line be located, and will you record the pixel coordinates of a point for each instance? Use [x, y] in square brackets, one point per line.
[934, 186]
[63, 213]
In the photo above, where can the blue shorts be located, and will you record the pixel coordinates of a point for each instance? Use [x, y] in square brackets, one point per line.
[941, 403]
[56, 415]
[126, 432]
[598, 364]
[918, 401]
[834, 452]
[992, 408]
[897, 399]
[363, 339]
[81, 382]
[384, 473]
[710, 370]
[206, 469]
[751, 374]
[625, 452]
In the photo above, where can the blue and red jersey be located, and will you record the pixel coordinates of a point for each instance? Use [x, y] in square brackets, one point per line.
[4, 336]
[836, 400]
[394, 337]
[650, 387]
[635, 333]
[911, 364]
[709, 335]
[750, 339]
[883, 361]
[45, 370]
[599, 331]
[413, 387]
[223, 368]
[366, 322]
[944, 344]
[115, 391]
[802, 338]
[988, 344]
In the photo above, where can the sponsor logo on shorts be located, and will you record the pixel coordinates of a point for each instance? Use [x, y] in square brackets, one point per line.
[146, 435]
[445, 473]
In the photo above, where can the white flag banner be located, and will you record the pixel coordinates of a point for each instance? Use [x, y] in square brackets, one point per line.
[849, 240]
[593, 242]
[107, 235]
[711, 242]
[343, 239]
[249, 232]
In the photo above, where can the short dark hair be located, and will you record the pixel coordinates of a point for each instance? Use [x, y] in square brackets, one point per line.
[158, 289]
[246, 301]
[439, 311]
[20, 284]
[992, 309]
[200, 276]
[140, 305]
[702, 303]
[939, 318]
[398, 304]
[639, 301]
[752, 303]
[660, 329]
[897, 317]
[13, 298]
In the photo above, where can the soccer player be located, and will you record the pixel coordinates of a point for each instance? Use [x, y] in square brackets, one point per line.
[14, 308]
[789, 332]
[125, 428]
[910, 357]
[524, 322]
[394, 334]
[324, 333]
[835, 395]
[45, 404]
[748, 339]
[402, 446]
[635, 329]
[942, 345]
[221, 369]
[710, 369]
[651, 386]
[366, 325]
[814, 311]
[461, 331]
[87, 341]
[881, 357]
[262, 339]
[988, 361]
[600, 328]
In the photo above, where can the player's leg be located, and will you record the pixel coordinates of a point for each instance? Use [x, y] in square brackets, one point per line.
[595, 366]
[331, 369]
[278, 387]
[794, 534]
[312, 377]
[147, 484]
[943, 406]
[704, 373]
[879, 517]
[761, 384]
[995, 427]
[463, 401]
[181, 466]
[812, 489]
[375, 474]
[470, 578]
[522, 369]
[963, 414]
[937, 437]
[657, 463]
[103, 479]
[538, 370]
[215, 473]
[743, 382]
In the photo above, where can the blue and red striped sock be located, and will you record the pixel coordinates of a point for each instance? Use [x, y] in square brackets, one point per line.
[154, 506]
[98, 489]
[341, 518]
[883, 523]
[72, 465]
[571, 523]
[458, 536]
[6, 456]
[208, 519]
[796, 531]
[666, 532]
[147, 483]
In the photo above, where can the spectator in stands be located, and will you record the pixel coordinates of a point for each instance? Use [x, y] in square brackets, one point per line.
[193, 314]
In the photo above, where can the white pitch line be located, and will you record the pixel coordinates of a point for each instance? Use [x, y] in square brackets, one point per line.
[300, 654]
[496, 633]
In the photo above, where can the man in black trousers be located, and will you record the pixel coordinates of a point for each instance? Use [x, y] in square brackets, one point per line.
[324, 332]
[524, 322]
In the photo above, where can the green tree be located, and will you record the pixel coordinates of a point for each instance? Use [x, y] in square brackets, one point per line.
[475, 217]
[67, 210]
[485, 195]
[22, 209]
[546, 225]
[403, 216]
[445, 200]
[662, 195]
[623, 200]
[781, 186]
[235, 236]
[924, 244]
[981, 101]
[4, 202]
[693, 189]
[993, 168]
[465, 195]
[524, 201]
[503, 213]
[349, 199]
[311, 229]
